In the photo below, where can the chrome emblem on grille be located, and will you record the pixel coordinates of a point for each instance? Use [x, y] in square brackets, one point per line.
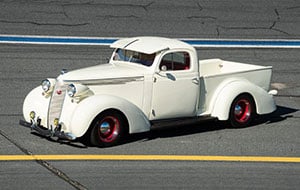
[59, 91]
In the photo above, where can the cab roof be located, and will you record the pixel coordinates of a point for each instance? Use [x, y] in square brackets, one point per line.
[149, 45]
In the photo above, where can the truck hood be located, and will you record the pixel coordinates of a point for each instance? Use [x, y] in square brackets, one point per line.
[103, 72]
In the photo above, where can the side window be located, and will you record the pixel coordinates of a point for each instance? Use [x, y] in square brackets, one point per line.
[175, 61]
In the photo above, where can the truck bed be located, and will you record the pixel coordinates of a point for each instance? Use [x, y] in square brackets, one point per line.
[215, 72]
[213, 67]
[217, 68]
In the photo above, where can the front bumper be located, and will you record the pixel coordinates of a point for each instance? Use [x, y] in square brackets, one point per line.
[56, 132]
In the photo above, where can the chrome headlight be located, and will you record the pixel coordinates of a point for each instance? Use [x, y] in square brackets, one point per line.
[78, 91]
[46, 85]
[71, 90]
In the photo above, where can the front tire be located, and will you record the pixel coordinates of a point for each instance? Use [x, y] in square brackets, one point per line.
[242, 111]
[108, 129]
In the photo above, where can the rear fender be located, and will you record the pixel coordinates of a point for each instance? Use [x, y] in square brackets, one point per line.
[264, 102]
[89, 108]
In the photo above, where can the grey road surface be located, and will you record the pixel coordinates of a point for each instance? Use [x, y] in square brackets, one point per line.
[190, 18]
[22, 67]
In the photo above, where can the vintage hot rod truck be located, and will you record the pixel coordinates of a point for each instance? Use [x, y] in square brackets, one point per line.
[147, 80]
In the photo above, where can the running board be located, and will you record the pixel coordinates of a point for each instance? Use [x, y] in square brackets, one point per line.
[179, 121]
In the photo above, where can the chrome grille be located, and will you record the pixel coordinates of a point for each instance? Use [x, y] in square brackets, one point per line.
[56, 102]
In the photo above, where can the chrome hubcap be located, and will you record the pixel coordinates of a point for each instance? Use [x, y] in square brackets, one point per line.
[109, 129]
[104, 128]
[238, 110]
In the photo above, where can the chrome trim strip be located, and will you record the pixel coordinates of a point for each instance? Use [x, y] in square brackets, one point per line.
[109, 81]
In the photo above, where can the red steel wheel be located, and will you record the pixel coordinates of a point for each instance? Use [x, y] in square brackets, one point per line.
[108, 129]
[242, 111]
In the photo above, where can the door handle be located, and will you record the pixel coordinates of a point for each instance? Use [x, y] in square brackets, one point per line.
[195, 81]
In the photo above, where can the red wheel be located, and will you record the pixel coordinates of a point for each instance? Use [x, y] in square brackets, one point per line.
[108, 129]
[242, 111]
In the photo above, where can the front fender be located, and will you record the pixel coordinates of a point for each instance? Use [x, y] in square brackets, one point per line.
[264, 102]
[37, 102]
[89, 108]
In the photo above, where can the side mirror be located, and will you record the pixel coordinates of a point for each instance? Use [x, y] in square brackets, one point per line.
[166, 75]
[171, 77]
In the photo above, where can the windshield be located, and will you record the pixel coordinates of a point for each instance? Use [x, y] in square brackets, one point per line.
[134, 57]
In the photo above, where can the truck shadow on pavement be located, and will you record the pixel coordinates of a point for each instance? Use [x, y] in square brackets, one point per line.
[281, 114]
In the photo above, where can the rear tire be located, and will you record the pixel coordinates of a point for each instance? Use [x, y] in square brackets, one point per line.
[108, 129]
[242, 111]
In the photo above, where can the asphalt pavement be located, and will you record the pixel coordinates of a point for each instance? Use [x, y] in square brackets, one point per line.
[22, 67]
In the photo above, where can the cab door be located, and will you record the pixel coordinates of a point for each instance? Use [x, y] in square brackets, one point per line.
[175, 87]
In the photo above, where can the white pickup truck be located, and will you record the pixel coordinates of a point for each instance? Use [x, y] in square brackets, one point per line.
[147, 80]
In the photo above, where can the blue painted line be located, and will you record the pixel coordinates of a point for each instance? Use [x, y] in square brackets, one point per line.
[107, 41]
[56, 40]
